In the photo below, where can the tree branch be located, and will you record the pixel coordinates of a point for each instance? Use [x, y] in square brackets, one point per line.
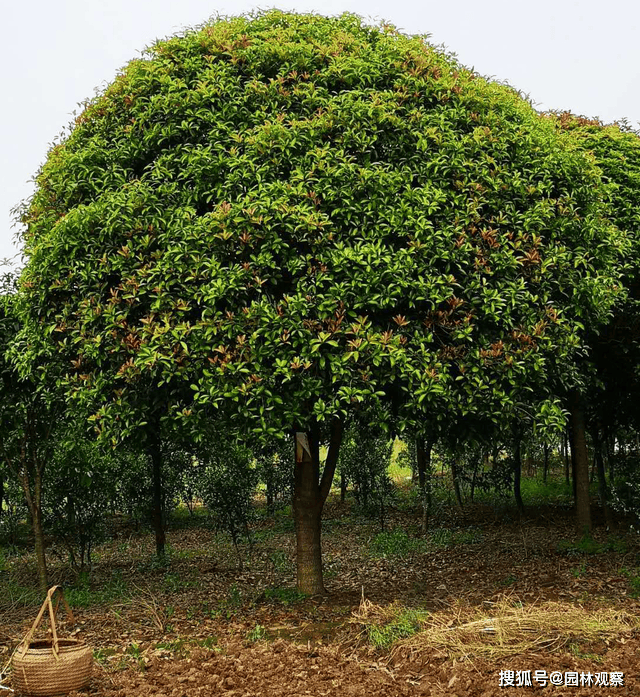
[337, 427]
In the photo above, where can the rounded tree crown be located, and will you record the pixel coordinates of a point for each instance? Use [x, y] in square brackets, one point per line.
[294, 214]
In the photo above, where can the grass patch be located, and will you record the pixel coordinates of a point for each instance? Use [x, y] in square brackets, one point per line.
[280, 561]
[442, 537]
[13, 594]
[385, 626]
[83, 594]
[285, 596]
[633, 577]
[587, 545]
[395, 544]
[555, 492]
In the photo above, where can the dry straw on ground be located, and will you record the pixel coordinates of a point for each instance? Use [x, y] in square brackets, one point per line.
[509, 627]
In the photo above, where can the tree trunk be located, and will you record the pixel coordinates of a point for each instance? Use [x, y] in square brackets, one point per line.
[611, 456]
[34, 505]
[517, 475]
[343, 487]
[581, 465]
[474, 479]
[271, 508]
[572, 446]
[1, 492]
[423, 459]
[456, 484]
[41, 558]
[602, 481]
[565, 446]
[545, 471]
[309, 495]
[158, 523]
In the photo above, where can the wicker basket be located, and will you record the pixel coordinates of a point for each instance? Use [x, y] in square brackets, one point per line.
[51, 667]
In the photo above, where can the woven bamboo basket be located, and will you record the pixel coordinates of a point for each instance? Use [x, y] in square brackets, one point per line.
[51, 667]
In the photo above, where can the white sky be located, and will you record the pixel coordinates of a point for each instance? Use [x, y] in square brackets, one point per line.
[583, 56]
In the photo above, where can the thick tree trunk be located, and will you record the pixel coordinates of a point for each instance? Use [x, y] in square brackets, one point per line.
[581, 465]
[423, 459]
[309, 495]
[517, 476]
[158, 518]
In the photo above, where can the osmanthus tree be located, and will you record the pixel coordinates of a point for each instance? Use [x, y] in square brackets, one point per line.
[284, 217]
[610, 398]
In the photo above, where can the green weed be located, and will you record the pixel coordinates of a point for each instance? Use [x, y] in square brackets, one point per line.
[395, 544]
[535, 492]
[178, 647]
[209, 642]
[587, 545]
[405, 623]
[102, 655]
[442, 537]
[234, 597]
[280, 560]
[258, 633]
[579, 571]
[286, 596]
[85, 594]
[633, 578]
[578, 651]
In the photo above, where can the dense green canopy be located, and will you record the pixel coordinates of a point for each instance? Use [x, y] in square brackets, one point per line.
[615, 349]
[295, 214]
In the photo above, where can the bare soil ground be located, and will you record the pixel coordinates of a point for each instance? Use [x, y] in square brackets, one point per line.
[207, 625]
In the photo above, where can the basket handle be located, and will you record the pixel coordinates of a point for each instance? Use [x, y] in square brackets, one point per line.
[52, 615]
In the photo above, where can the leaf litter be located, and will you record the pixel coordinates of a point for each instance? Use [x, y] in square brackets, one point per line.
[512, 600]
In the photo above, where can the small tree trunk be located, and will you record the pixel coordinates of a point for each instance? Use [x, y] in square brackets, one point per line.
[271, 509]
[158, 523]
[565, 447]
[611, 456]
[423, 460]
[602, 481]
[34, 504]
[517, 475]
[309, 494]
[1, 492]
[41, 558]
[581, 465]
[474, 478]
[456, 484]
[343, 487]
[545, 471]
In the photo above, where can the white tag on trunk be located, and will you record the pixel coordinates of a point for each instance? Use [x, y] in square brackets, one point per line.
[302, 444]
